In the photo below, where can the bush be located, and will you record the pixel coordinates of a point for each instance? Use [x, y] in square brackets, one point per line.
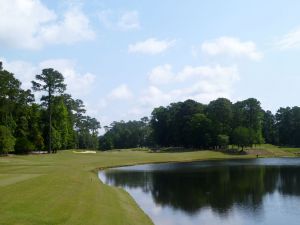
[7, 140]
[23, 145]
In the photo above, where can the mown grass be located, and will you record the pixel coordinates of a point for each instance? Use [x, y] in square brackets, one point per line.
[64, 188]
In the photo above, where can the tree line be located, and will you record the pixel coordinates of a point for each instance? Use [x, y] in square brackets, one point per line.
[191, 124]
[56, 122]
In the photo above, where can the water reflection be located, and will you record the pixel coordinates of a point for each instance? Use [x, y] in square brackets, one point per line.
[222, 186]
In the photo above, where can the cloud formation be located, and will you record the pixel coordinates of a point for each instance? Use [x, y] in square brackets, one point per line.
[124, 21]
[31, 25]
[290, 40]
[164, 74]
[122, 92]
[78, 84]
[151, 46]
[201, 83]
[232, 47]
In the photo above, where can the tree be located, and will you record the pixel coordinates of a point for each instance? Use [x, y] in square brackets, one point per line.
[248, 113]
[241, 137]
[159, 123]
[88, 132]
[7, 140]
[9, 93]
[23, 145]
[223, 141]
[52, 82]
[170, 125]
[288, 125]
[131, 134]
[15, 104]
[221, 113]
[201, 131]
[62, 124]
[269, 129]
[35, 126]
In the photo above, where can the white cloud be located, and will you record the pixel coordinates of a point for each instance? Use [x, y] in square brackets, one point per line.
[31, 25]
[73, 28]
[78, 84]
[161, 74]
[202, 83]
[233, 47]
[121, 92]
[153, 97]
[289, 41]
[128, 20]
[151, 46]
[165, 75]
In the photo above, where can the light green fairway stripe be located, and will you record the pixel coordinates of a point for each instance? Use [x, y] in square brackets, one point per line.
[8, 179]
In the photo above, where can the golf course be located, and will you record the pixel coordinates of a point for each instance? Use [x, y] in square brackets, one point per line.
[64, 188]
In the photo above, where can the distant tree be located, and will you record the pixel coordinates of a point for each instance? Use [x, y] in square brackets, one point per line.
[7, 140]
[87, 132]
[15, 105]
[35, 126]
[241, 137]
[106, 142]
[201, 131]
[23, 145]
[223, 141]
[51, 82]
[9, 97]
[171, 124]
[284, 125]
[129, 134]
[62, 124]
[248, 113]
[288, 124]
[160, 125]
[269, 129]
[221, 113]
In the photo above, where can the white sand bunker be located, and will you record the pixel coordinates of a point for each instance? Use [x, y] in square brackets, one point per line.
[85, 152]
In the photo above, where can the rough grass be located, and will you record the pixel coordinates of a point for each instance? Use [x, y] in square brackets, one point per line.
[64, 188]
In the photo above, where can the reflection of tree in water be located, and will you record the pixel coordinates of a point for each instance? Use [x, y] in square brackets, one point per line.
[216, 187]
[290, 181]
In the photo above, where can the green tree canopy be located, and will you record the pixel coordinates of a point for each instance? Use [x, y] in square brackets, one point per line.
[51, 82]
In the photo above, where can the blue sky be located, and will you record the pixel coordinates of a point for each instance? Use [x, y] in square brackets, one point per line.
[123, 58]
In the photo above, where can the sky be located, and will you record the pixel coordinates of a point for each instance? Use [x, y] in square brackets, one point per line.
[123, 58]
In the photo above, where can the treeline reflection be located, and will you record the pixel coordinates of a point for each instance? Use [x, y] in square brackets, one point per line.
[219, 188]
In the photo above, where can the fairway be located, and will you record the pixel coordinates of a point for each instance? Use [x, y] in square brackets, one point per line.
[63, 188]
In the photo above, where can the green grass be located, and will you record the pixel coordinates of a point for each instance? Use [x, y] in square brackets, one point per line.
[64, 188]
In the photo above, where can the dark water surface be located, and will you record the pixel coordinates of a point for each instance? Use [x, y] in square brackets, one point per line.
[235, 192]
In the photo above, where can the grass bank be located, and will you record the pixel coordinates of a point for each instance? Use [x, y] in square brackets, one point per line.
[64, 188]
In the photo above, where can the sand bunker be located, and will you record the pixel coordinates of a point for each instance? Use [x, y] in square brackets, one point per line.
[84, 152]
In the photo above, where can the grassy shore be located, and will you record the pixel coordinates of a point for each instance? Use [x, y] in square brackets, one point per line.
[64, 188]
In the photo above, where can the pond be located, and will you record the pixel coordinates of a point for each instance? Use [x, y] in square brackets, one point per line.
[241, 192]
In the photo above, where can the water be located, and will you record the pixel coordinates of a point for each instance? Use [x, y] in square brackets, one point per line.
[235, 192]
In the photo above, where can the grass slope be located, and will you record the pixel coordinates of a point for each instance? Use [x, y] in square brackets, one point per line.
[64, 188]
